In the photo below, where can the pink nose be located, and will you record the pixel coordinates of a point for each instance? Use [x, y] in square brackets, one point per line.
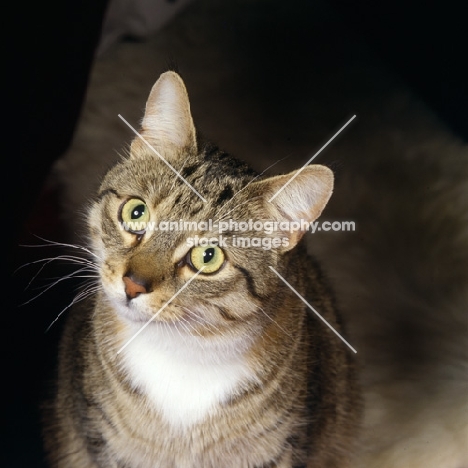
[133, 288]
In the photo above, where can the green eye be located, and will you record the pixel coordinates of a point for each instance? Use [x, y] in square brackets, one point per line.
[211, 258]
[135, 214]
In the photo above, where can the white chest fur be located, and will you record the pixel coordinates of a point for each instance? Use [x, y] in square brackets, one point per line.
[184, 381]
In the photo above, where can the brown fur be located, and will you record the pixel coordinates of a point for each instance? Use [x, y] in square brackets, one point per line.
[272, 87]
[299, 405]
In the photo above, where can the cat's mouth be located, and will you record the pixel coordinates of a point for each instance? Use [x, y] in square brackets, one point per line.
[177, 315]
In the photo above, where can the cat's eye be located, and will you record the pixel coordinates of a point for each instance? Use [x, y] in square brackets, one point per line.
[210, 258]
[135, 214]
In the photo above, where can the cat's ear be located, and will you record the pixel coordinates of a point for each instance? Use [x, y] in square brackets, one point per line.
[299, 197]
[167, 124]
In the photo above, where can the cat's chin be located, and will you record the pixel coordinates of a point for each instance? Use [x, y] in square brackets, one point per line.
[130, 314]
[128, 311]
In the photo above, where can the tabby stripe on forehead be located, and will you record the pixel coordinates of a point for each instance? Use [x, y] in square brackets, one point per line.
[226, 194]
[189, 170]
[250, 282]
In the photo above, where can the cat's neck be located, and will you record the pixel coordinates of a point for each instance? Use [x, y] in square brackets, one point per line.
[172, 370]
[170, 340]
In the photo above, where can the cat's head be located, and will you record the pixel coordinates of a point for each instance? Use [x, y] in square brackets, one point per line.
[152, 268]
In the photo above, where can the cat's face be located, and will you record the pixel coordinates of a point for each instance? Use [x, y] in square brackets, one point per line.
[156, 226]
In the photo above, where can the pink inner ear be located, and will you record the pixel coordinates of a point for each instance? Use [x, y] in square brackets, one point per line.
[167, 117]
[302, 196]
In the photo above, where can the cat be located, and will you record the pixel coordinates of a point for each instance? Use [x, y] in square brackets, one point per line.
[202, 355]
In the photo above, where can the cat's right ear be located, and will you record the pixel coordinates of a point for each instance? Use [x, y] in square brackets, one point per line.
[167, 124]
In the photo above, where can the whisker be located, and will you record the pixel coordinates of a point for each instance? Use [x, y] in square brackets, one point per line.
[275, 322]
[79, 297]
[70, 258]
[59, 280]
[74, 274]
[167, 327]
[180, 334]
[199, 320]
[89, 269]
[203, 319]
[184, 323]
[50, 243]
[91, 283]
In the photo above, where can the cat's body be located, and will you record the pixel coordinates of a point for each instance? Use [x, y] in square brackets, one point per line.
[271, 84]
[170, 366]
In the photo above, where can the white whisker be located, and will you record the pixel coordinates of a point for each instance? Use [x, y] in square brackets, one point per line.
[203, 319]
[73, 275]
[188, 327]
[62, 244]
[167, 327]
[275, 322]
[79, 297]
[46, 261]
[87, 270]
[184, 338]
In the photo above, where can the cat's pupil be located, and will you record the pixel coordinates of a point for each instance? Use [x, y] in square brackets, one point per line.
[208, 255]
[138, 211]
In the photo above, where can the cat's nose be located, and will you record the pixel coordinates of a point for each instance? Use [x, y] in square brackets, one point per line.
[134, 286]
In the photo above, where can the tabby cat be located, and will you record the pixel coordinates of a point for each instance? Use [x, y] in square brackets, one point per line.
[198, 356]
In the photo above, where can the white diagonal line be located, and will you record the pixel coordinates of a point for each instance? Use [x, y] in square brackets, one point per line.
[312, 309]
[159, 155]
[312, 158]
[160, 310]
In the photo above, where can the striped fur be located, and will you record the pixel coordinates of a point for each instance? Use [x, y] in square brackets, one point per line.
[235, 371]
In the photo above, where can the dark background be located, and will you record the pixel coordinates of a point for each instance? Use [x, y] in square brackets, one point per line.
[49, 51]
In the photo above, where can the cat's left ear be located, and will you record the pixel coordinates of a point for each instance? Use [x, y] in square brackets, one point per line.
[299, 196]
[167, 124]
